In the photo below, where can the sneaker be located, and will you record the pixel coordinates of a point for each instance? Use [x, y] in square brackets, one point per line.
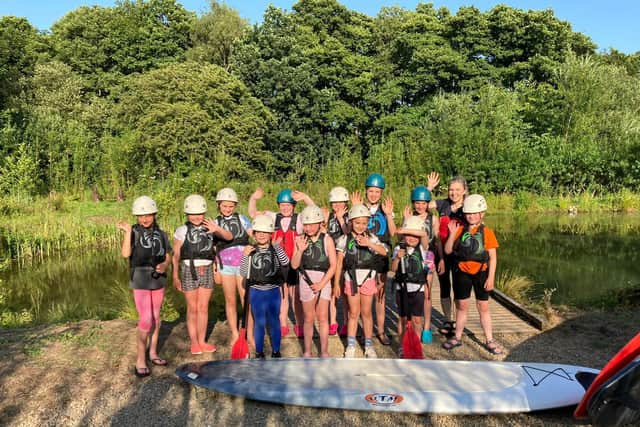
[343, 331]
[333, 328]
[299, 330]
[260, 356]
[208, 348]
[195, 349]
[276, 355]
[350, 352]
[370, 353]
[284, 331]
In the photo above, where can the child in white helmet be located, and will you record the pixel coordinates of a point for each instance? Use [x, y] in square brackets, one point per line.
[337, 224]
[147, 248]
[194, 253]
[230, 254]
[473, 247]
[288, 227]
[315, 260]
[382, 225]
[413, 265]
[265, 266]
[356, 266]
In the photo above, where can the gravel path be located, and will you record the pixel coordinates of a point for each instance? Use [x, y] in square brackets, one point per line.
[82, 374]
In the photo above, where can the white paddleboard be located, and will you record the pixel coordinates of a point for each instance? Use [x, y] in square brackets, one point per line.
[397, 385]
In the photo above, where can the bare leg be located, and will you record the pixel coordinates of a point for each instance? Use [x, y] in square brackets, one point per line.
[229, 288]
[380, 304]
[367, 315]
[309, 317]
[203, 296]
[323, 326]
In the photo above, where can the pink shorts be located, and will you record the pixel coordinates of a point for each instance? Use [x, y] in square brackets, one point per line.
[368, 287]
[306, 294]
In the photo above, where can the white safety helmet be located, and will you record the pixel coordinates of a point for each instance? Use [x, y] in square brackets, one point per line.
[144, 205]
[474, 203]
[358, 211]
[195, 204]
[414, 226]
[312, 215]
[338, 194]
[263, 223]
[227, 195]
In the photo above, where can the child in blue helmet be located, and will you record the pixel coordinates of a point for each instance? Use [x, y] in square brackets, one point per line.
[420, 198]
[382, 225]
[288, 227]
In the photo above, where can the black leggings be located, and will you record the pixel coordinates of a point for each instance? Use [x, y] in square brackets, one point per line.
[445, 278]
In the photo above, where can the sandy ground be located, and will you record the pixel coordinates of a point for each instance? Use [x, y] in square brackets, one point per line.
[81, 374]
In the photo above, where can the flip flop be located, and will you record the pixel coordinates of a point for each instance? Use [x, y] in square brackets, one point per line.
[141, 372]
[493, 348]
[384, 339]
[451, 344]
[158, 361]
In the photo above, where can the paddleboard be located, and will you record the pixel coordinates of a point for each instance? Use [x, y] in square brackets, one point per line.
[626, 355]
[396, 385]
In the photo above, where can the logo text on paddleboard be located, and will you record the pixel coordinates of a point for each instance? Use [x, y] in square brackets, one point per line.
[383, 399]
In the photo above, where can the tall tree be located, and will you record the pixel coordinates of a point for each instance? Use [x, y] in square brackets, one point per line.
[216, 34]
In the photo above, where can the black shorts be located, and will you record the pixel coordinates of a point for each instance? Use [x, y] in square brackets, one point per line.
[463, 282]
[292, 277]
[381, 264]
[415, 303]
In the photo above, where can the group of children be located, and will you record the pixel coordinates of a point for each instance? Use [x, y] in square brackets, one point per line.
[311, 260]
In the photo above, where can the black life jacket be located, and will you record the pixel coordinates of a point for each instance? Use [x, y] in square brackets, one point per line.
[315, 256]
[333, 226]
[470, 247]
[265, 268]
[414, 268]
[147, 246]
[360, 257]
[198, 243]
[234, 226]
[379, 226]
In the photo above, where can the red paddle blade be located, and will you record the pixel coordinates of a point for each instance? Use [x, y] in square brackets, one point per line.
[411, 345]
[240, 349]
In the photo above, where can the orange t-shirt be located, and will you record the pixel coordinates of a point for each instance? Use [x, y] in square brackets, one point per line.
[490, 242]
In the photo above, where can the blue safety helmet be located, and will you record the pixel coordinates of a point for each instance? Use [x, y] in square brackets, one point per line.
[374, 180]
[420, 194]
[285, 196]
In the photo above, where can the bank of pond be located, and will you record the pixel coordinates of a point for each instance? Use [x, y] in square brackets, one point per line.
[583, 260]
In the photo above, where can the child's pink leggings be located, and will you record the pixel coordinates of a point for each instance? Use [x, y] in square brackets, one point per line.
[148, 305]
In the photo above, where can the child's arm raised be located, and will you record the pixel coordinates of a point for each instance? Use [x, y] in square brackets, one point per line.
[126, 239]
[300, 196]
[257, 195]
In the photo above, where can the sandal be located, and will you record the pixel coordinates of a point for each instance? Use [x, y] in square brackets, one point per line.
[158, 361]
[493, 348]
[447, 327]
[383, 338]
[451, 344]
[141, 372]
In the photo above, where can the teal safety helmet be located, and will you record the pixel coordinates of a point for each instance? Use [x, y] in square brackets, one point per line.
[420, 194]
[374, 180]
[285, 196]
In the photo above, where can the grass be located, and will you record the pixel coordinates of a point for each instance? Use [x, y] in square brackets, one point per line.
[38, 228]
[516, 286]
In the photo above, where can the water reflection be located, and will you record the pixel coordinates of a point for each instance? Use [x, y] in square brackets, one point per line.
[585, 257]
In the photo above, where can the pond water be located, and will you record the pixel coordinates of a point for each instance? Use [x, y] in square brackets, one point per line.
[585, 258]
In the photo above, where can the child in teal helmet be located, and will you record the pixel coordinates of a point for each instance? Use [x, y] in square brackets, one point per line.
[382, 225]
[288, 227]
[420, 199]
